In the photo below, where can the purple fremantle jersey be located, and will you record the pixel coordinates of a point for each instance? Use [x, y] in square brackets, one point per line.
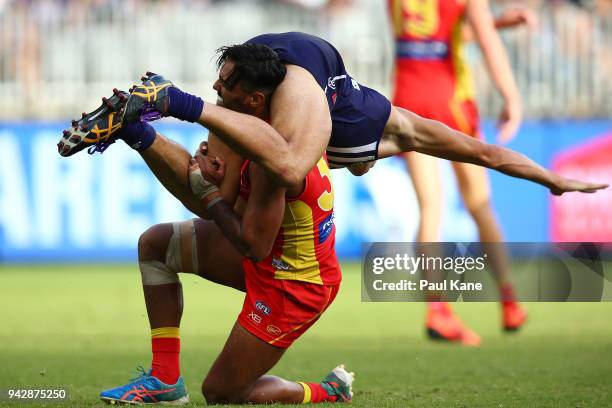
[358, 113]
[314, 54]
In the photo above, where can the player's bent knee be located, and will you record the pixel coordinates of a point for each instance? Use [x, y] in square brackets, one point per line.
[153, 243]
[216, 393]
[165, 250]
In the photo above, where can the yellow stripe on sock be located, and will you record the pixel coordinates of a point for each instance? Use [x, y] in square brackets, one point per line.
[307, 392]
[165, 332]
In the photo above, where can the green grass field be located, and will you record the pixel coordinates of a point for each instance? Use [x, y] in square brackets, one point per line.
[85, 328]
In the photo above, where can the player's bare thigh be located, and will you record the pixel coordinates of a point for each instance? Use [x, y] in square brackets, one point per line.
[217, 259]
[299, 111]
[195, 246]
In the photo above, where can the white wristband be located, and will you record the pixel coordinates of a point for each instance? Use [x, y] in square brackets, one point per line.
[200, 187]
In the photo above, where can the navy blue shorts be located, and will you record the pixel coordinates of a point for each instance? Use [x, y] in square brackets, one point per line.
[358, 121]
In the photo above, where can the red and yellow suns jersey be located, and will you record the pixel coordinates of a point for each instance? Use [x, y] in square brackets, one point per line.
[304, 246]
[432, 76]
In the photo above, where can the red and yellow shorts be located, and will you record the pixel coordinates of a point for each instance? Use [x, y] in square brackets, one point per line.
[278, 311]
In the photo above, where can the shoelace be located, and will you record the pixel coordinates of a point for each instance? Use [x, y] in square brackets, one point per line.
[150, 113]
[142, 374]
[100, 147]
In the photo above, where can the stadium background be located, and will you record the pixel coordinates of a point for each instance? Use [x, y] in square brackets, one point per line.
[58, 58]
[84, 326]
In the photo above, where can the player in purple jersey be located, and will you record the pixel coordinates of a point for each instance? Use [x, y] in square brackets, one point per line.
[314, 105]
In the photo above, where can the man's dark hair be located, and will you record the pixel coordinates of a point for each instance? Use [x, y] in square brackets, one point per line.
[257, 67]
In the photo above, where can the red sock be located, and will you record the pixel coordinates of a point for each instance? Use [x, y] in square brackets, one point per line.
[506, 293]
[314, 392]
[439, 307]
[166, 347]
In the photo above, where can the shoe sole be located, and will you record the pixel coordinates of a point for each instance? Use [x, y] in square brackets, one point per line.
[85, 132]
[435, 335]
[111, 401]
[514, 329]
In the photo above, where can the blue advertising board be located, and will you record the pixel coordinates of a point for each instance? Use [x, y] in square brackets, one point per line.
[93, 208]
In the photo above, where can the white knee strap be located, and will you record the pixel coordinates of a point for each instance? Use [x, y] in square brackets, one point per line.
[156, 273]
[181, 256]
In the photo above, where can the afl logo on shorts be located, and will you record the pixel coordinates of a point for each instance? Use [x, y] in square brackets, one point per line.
[262, 307]
[273, 330]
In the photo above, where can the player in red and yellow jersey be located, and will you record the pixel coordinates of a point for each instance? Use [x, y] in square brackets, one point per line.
[433, 80]
[277, 245]
[289, 289]
[273, 241]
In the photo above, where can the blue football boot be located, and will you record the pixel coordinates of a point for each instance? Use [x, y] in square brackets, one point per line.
[146, 389]
[149, 100]
[96, 130]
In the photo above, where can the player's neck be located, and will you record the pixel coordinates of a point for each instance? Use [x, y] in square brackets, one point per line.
[262, 113]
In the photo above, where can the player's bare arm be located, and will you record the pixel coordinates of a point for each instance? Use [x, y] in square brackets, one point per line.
[482, 25]
[516, 16]
[230, 184]
[436, 139]
[299, 129]
[253, 232]
[511, 18]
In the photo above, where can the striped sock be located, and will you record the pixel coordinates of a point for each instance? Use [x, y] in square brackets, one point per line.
[166, 347]
[314, 392]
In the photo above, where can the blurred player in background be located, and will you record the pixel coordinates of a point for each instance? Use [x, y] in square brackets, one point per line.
[432, 79]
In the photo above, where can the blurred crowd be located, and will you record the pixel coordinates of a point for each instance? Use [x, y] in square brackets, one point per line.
[27, 28]
[43, 10]
[104, 9]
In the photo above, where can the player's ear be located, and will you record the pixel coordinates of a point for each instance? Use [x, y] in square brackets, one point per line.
[257, 99]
